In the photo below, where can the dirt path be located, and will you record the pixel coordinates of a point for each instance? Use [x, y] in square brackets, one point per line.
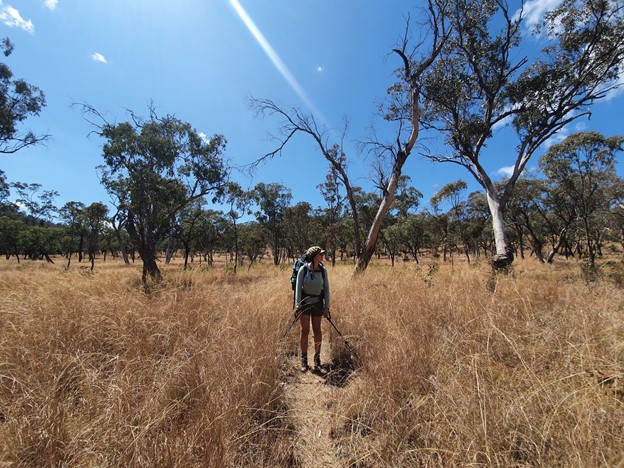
[310, 401]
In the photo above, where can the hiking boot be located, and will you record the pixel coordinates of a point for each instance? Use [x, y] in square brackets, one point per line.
[317, 361]
[304, 362]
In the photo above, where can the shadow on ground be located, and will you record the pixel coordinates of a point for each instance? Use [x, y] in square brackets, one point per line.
[342, 366]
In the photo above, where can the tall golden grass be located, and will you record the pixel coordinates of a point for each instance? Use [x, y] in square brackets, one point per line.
[95, 372]
[451, 367]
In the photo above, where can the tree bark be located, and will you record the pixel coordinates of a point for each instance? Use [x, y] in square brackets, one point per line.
[503, 258]
[384, 207]
[150, 267]
[146, 246]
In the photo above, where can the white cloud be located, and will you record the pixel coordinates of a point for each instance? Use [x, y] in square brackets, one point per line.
[12, 18]
[534, 11]
[51, 4]
[557, 138]
[506, 171]
[97, 57]
[580, 126]
[615, 92]
[204, 138]
[319, 69]
[503, 123]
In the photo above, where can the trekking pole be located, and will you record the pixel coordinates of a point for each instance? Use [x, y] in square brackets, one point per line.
[292, 323]
[338, 331]
[296, 317]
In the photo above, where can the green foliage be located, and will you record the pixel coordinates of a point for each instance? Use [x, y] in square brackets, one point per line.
[272, 199]
[9, 236]
[253, 241]
[582, 171]
[18, 101]
[155, 168]
[37, 241]
[39, 205]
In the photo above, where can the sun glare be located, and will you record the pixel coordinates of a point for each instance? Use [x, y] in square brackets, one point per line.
[271, 53]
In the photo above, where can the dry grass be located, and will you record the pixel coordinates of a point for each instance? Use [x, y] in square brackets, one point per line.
[454, 367]
[94, 372]
[462, 369]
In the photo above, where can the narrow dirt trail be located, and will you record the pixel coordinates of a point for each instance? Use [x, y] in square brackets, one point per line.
[310, 401]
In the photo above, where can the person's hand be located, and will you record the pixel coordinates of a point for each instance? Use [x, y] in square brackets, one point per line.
[297, 313]
[326, 313]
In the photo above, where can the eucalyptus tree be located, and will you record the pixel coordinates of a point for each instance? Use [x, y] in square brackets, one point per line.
[5, 189]
[332, 213]
[479, 223]
[186, 228]
[156, 167]
[392, 155]
[272, 200]
[19, 100]
[95, 218]
[451, 193]
[298, 225]
[38, 242]
[239, 201]
[252, 241]
[391, 239]
[71, 215]
[583, 165]
[483, 81]
[393, 233]
[10, 230]
[211, 229]
[525, 213]
[439, 228]
[118, 222]
[413, 234]
[39, 205]
[295, 121]
[559, 215]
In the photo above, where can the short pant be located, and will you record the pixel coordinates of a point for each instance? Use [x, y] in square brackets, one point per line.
[315, 310]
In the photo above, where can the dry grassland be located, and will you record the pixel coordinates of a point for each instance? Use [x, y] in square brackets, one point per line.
[452, 367]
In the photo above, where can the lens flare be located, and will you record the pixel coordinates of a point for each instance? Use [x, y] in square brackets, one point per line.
[273, 56]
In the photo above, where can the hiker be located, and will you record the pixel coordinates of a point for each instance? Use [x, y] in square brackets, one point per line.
[312, 303]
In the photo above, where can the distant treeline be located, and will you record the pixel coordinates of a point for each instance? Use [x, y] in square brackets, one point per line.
[558, 213]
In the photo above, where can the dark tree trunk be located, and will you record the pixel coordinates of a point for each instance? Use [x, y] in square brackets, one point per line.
[150, 267]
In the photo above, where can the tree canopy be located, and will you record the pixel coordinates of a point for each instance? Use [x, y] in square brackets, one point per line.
[19, 100]
[155, 167]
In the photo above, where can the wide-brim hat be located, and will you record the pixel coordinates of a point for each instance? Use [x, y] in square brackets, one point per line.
[313, 251]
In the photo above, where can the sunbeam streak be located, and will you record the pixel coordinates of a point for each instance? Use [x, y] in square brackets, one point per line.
[277, 61]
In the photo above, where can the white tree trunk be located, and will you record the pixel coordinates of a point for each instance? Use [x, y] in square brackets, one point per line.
[503, 257]
[384, 207]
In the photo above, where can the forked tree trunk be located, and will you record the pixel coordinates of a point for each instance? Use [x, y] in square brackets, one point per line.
[150, 267]
[146, 246]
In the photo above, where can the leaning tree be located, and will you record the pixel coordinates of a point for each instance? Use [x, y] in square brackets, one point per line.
[483, 80]
[391, 155]
[156, 167]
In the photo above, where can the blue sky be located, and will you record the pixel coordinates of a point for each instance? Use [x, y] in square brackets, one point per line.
[201, 60]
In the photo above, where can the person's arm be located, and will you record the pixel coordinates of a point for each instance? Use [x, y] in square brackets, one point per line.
[299, 287]
[326, 292]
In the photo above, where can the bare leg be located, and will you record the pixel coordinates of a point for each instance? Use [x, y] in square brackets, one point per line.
[318, 339]
[318, 334]
[305, 332]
